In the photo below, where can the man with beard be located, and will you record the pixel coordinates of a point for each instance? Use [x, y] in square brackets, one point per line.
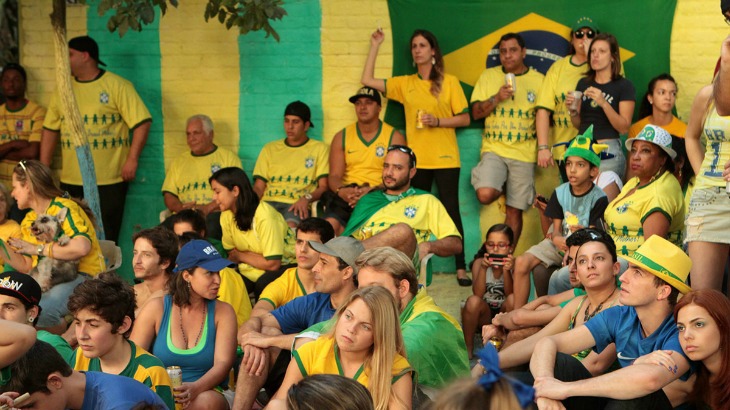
[380, 213]
[21, 122]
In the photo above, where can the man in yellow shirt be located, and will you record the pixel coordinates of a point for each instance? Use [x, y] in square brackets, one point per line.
[186, 181]
[291, 173]
[356, 157]
[509, 145]
[110, 107]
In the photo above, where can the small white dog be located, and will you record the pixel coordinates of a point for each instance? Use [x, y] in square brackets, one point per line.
[50, 271]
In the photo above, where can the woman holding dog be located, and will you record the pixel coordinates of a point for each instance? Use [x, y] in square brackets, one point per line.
[33, 189]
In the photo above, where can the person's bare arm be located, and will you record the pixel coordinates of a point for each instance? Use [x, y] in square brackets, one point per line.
[656, 224]
[542, 127]
[139, 139]
[20, 149]
[693, 145]
[254, 259]
[259, 186]
[49, 139]
[15, 340]
[481, 109]
[337, 164]
[147, 323]
[368, 72]
[450, 245]
[261, 308]
[722, 82]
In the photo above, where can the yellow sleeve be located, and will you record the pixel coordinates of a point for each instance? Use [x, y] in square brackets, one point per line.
[233, 291]
[261, 168]
[457, 97]
[75, 223]
[232, 160]
[394, 88]
[52, 121]
[171, 179]
[275, 292]
[481, 92]
[271, 232]
[546, 94]
[38, 117]
[130, 105]
[439, 221]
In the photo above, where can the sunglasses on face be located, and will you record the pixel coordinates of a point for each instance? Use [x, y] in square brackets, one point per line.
[580, 33]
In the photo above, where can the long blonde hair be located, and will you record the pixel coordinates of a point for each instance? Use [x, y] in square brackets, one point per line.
[387, 340]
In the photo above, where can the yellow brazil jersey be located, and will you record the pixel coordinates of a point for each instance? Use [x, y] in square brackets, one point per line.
[188, 175]
[285, 288]
[676, 127]
[322, 357]
[75, 224]
[561, 78]
[110, 108]
[424, 213]
[143, 367]
[269, 236]
[233, 291]
[363, 159]
[509, 131]
[717, 151]
[291, 172]
[24, 124]
[625, 215]
[9, 229]
[434, 147]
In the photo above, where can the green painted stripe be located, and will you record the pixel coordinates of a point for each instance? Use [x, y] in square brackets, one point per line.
[137, 58]
[275, 74]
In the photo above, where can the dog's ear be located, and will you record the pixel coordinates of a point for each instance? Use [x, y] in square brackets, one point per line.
[61, 215]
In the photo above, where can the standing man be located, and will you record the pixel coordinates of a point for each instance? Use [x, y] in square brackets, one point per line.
[110, 108]
[291, 173]
[357, 153]
[21, 122]
[186, 181]
[509, 149]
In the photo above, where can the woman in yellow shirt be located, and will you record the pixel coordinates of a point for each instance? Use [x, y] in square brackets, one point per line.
[366, 345]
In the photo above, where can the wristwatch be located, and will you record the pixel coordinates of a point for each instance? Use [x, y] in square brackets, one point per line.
[39, 250]
[308, 197]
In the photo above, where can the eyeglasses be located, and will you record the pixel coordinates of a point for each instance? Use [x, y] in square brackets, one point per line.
[405, 150]
[580, 33]
[500, 245]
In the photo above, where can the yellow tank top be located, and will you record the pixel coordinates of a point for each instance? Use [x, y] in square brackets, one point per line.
[717, 150]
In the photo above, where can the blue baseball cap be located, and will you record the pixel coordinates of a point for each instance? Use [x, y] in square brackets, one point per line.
[200, 253]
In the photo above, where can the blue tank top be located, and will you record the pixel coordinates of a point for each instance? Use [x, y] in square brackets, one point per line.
[194, 362]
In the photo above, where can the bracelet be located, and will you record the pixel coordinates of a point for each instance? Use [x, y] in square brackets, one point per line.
[50, 250]
[438, 122]
[542, 147]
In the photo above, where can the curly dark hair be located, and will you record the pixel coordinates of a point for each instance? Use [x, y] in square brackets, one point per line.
[30, 372]
[108, 296]
[165, 243]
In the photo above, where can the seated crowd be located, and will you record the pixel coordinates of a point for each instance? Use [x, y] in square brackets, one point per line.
[252, 301]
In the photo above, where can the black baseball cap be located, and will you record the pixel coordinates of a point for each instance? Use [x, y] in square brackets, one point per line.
[86, 44]
[20, 286]
[301, 110]
[366, 92]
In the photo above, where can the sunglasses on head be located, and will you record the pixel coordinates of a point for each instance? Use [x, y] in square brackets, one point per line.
[405, 150]
[580, 33]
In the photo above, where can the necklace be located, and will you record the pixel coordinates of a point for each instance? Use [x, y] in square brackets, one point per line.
[202, 325]
[587, 317]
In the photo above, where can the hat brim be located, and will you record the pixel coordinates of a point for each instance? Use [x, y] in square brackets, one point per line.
[322, 248]
[17, 295]
[672, 153]
[676, 284]
[216, 265]
[354, 98]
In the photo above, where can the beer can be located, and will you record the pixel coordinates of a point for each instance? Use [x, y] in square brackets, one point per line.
[419, 123]
[510, 80]
[175, 373]
[496, 342]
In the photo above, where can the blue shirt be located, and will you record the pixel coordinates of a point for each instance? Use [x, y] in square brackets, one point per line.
[111, 392]
[303, 312]
[621, 325]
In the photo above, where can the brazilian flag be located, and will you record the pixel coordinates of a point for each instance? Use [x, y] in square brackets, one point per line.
[468, 32]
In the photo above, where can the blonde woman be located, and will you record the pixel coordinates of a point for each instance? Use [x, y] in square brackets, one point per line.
[33, 188]
[366, 345]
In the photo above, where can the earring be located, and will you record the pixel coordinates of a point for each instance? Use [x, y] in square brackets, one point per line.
[433, 60]
[31, 319]
[189, 285]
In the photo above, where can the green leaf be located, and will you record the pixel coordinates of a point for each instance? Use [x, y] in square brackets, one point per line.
[104, 6]
[123, 27]
[221, 15]
[147, 13]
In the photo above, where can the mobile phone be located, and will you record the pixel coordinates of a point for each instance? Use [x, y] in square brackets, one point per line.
[542, 199]
[497, 259]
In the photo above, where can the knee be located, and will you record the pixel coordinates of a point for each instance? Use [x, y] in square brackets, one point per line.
[473, 304]
[513, 212]
[487, 195]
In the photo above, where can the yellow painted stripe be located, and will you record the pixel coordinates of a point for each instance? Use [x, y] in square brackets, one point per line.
[346, 30]
[200, 75]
